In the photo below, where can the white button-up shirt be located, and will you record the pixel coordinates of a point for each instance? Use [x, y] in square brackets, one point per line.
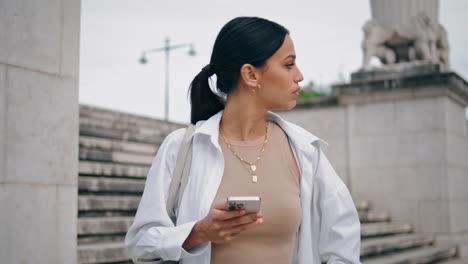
[329, 226]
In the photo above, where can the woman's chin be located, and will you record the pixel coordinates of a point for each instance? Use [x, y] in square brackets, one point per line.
[288, 106]
[292, 104]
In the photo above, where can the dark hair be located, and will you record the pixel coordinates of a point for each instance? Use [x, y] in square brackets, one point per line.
[242, 40]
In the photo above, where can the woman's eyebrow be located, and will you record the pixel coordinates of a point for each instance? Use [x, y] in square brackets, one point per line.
[290, 56]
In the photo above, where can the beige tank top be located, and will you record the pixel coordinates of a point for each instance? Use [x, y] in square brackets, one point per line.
[278, 187]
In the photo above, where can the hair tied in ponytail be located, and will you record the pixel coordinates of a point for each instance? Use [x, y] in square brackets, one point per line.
[242, 40]
[208, 69]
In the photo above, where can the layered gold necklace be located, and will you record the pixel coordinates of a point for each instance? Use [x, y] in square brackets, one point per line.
[251, 167]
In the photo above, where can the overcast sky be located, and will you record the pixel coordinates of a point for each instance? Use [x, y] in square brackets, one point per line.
[326, 34]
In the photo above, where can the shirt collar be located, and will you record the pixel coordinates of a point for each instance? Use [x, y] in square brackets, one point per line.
[297, 134]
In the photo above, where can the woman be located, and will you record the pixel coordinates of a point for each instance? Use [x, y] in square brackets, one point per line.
[240, 148]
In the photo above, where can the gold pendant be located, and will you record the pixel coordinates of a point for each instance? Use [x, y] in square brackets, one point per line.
[253, 167]
[254, 178]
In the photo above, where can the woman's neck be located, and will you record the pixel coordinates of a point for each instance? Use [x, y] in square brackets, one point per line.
[243, 119]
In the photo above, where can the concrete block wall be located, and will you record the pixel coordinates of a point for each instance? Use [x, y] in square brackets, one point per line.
[39, 62]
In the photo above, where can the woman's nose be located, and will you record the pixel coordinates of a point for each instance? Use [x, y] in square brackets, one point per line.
[299, 76]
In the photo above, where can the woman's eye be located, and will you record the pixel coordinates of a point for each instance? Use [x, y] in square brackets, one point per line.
[290, 65]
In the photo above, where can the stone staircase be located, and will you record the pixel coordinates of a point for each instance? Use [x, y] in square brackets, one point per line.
[116, 150]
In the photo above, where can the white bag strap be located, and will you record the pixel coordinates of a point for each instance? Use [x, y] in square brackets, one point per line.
[178, 183]
[181, 172]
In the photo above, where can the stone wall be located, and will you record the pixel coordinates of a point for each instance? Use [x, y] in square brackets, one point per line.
[331, 125]
[39, 58]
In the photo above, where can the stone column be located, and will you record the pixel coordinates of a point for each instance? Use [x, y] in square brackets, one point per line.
[400, 141]
[394, 13]
[39, 58]
[409, 148]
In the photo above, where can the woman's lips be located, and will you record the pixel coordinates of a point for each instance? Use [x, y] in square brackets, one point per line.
[296, 92]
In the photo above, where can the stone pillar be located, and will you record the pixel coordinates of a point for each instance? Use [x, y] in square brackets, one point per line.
[399, 139]
[39, 58]
[408, 148]
[395, 13]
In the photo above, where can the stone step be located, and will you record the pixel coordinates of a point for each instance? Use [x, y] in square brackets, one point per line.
[88, 185]
[384, 229]
[110, 185]
[101, 185]
[88, 128]
[112, 169]
[375, 246]
[115, 156]
[118, 225]
[103, 225]
[103, 252]
[373, 216]
[108, 203]
[102, 114]
[117, 145]
[415, 256]
[127, 124]
[120, 126]
[98, 239]
[455, 261]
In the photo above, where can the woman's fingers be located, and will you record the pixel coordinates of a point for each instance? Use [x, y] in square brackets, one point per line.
[242, 220]
[225, 215]
[229, 234]
[221, 226]
[245, 227]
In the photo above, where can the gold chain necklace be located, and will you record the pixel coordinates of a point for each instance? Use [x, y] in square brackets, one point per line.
[253, 165]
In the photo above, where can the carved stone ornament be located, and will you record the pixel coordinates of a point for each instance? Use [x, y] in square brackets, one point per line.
[414, 38]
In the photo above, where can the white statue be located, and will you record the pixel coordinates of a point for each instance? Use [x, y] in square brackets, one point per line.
[443, 46]
[373, 44]
[419, 40]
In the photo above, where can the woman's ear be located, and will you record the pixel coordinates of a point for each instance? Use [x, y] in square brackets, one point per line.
[249, 75]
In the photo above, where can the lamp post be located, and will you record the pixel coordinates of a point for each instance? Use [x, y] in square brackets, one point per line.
[167, 48]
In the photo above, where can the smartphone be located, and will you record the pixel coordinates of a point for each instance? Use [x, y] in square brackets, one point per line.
[251, 204]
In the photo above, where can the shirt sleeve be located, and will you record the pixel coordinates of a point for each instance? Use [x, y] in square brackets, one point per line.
[153, 234]
[340, 230]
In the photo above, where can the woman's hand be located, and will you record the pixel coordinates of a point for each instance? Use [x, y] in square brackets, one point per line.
[221, 226]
